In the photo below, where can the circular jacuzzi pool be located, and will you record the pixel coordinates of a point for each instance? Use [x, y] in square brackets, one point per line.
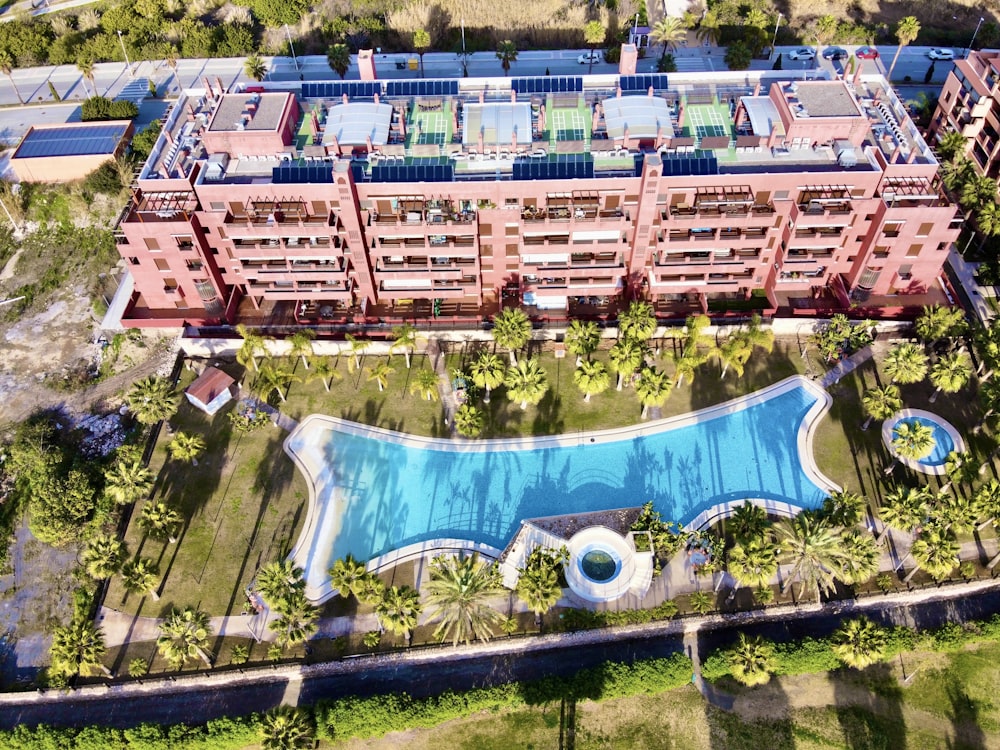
[946, 439]
[601, 564]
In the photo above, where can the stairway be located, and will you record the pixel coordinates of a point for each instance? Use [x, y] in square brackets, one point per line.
[134, 91]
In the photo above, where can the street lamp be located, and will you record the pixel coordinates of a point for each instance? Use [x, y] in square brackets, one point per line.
[774, 39]
[292, 48]
[121, 41]
[974, 35]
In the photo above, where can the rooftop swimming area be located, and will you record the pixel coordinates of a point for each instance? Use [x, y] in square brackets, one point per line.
[379, 495]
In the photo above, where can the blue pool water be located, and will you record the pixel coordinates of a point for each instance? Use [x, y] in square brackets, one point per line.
[943, 444]
[395, 495]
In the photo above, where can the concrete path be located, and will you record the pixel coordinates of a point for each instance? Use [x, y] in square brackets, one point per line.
[282, 420]
[122, 628]
[448, 401]
[846, 366]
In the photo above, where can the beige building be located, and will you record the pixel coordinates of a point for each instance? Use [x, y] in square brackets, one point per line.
[63, 153]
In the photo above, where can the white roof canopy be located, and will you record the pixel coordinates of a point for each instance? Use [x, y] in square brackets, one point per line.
[762, 113]
[352, 124]
[642, 115]
[499, 123]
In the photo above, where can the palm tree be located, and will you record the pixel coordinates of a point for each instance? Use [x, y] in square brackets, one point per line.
[323, 369]
[187, 447]
[958, 513]
[905, 508]
[399, 610]
[160, 521]
[86, 68]
[302, 345]
[669, 32]
[960, 467]
[253, 344]
[379, 374]
[593, 34]
[935, 551]
[279, 580]
[881, 403]
[296, 621]
[911, 440]
[184, 634]
[988, 218]
[734, 352]
[638, 322]
[469, 421]
[937, 322]
[487, 372]
[905, 363]
[346, 576]
[812, 546]
[751, 660]
[459, 591]
[696, 350]
[286, 728]
[77, 649]
[626, 356]
[950, 373]
[370, 589]
[526, 382]
[274, 377]
[906, 31]
[700, 602]
[511, 330]
[338, 57]
[127, 481]
[753, 562]
[425, 382]
[824, 30]
[591, 378]
[988, 500]
[421, 43]
[103, 556]
[405, 338]
[859, 643]
[748, 521]
[538, 587]
[951, 144]
[861, 557]
[506, 54]
[152, 400]
[976, 190]
[141, 576]
[709, 28]
[653, 388]
[582, 338]
[7, 68]
[255, 68]
[843, 508]
[358, 348]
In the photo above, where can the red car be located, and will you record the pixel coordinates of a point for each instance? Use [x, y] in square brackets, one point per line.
[867, 53]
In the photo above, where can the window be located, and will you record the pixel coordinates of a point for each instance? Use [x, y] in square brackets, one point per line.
[906, 271]
[914, 251]
[133, 260]
[162, 265]
[152, 243]
[510, 201]
[925, 229]
[781, 195]
[217, 205]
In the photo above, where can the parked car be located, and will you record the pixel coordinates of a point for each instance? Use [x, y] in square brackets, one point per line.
[588, 57]
[835, 53]
[866, 53]
[802, 53]
[941, 54]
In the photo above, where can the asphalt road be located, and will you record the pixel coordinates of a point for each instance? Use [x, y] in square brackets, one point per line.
[430, 673]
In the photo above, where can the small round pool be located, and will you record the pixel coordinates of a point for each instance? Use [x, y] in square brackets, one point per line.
[599, 564]
[946, 439]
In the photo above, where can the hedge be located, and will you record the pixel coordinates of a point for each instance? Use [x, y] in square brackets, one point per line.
[227, 733]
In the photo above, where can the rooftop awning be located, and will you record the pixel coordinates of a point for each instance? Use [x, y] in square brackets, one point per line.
[354, 123]
[763, 114]
[499, 123]
[642, 115]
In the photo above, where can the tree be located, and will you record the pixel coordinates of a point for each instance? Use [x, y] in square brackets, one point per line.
[859, 643]
[950, 373]
[127, 481]
[626, 356]
[958, 513]
[141, 576]
[379, 374]
[7, 68]
[843, 508]
[881, 403]
[812, 547]
[738, 56]
[582, 338]
[421, 43]
[700, 602]
[77, 649]
[511, 330]
[824, 30]
[668, 31]
[184, 634]
[753, 562]
[591, 378]
[302, 345]
[286, 728]
[323, 369]
[526, 382]
[458, 592]
[296, 621]
[274, 377]
[905, 508]
[103, 556]
[152, 400]
[653, 388]
[751, 660]
[506, 54]
[977, 189]
[278, 581]
[936, 322]
[487, 372]
[906, 32]
[86, 68]
[593, 35]
[186, 447]
[338, 57]
[253, 344]
[951, 144]
[425, 382]
[160, 521]
[346, 576]
[709, 29]
[399, 610]
[912, 440]
[469, 421]
[748, 521]
[861, 557]
[935, 551]
[405, 338]
[905, 363]
[255, 68]
[59, 507]
[539, 589]
[696, 349]
[988, 218]
[638, 322]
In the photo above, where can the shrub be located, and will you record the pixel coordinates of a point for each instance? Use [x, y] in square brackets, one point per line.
[104, 180]
[102, 108]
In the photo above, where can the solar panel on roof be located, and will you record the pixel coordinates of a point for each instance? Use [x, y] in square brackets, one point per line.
[413, 173]
[291, 174]
[690, 165]
[71, 140]
[548, 84]
[643, 82]
[571, 167]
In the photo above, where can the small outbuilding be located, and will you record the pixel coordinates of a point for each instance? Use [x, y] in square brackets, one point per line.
[71, 151]
[211, 391]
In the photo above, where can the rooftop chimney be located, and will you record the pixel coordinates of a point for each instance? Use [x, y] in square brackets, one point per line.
[366, 65]
[628, 60]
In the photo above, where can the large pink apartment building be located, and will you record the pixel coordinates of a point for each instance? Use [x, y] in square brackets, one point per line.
[372, 201]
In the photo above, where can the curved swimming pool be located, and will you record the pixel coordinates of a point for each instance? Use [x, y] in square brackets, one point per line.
[946, 439]
[375, 491]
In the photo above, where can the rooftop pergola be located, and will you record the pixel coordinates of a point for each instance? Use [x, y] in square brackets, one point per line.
[358, 124]
[642, 116]
[499, 124]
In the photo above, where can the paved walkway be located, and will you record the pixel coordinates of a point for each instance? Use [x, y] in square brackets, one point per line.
[846, 366]
[448, 401]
